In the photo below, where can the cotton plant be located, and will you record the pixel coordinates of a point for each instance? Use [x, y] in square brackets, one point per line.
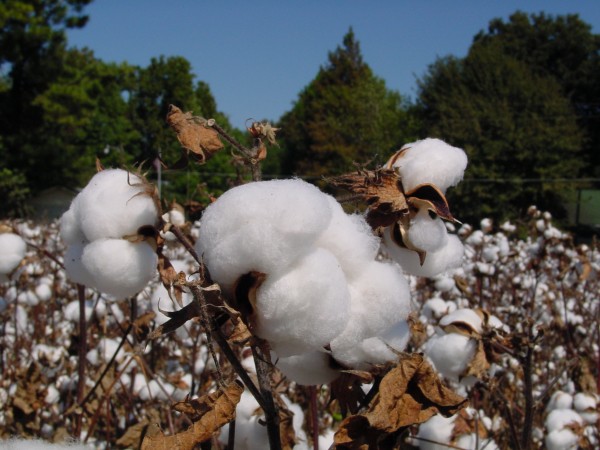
[109, 233]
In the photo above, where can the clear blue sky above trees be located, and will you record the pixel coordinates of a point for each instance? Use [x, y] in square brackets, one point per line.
[257, 56]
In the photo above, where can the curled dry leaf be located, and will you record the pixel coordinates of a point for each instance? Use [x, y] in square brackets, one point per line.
[263, 130]
[194, 134]
[209, 414]
[170, 278]
[409, 394]
[381, 189]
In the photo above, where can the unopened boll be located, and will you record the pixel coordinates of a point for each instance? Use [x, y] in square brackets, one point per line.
[429, 161]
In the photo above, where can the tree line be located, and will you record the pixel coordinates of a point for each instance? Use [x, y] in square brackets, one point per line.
[524, 103]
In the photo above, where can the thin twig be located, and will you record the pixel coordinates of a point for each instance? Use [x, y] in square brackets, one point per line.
[82, 356]
[262, 361]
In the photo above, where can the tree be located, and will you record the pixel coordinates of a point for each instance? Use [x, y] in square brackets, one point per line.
[514, 124]
[565, 49]
[32, 56]
[345, 114]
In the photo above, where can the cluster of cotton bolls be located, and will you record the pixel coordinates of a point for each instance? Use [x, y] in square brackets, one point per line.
[570, 420]
[12, 252]
[100, 229]
[319, 284]
[429, 162]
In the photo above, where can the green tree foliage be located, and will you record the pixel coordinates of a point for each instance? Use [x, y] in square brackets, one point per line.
[345, 115]
[565, 49]
[32, 56]
[516, 125]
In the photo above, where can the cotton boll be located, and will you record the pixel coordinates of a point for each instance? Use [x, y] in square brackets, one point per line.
[450, 353]
[302, 309]
[444, 284]
[33, 444]
[380, 298]
[564, 439]
[76, 271]
[446, 258]
[114, 204]
[376, 350]
[312, 368]
[585, 405]
[427, 233]
[349, 238]
[43, 291]
[120, 268]
[430, 161]
[262, 226]
[70, 228]
[558, 419]
[12, 251]
[560, 400]
[463, 315]
[437, 429]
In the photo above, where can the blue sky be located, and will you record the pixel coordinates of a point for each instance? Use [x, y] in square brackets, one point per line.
[258, 55]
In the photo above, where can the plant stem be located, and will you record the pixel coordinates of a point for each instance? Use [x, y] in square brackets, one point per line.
[82, 357]
[262, 360]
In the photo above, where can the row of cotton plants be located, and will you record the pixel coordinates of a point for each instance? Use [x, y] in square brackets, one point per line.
[322, 288]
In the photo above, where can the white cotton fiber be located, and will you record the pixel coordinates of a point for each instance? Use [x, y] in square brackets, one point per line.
[446, 258]
[564, 439]
[467, 316]
[70, 229]
[114, 204]
[438, 429]
[380, 298]
[430, 161]
[561, 418]
[12, 251]
[119, 267]
[76, 271]
[375, 350]
[34, 444]
[312, 368]
[350, 239]
[303, 308]
[426, 233]
[261, 226]
[450, 353]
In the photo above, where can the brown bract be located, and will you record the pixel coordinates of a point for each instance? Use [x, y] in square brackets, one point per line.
[409, 394]
[194, 134]
[209, 413]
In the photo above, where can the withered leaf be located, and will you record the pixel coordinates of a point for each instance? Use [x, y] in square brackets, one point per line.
[346, 389]
[381, 189]
[211, 411]
[479, 365]
[194, 134]
[133, 436]
[169, 277]
[409, 394]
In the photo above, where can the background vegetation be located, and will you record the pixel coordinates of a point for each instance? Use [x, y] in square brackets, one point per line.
[524, 103]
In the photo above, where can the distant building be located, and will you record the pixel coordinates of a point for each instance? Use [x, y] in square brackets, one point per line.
[51, 203]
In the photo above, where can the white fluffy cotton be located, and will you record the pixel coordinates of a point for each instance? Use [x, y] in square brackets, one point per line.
[36, 444]
[312, 368]
[427, 233]
[305, 307]
[430, 161]
[263, 226]
[450, 353]
[113, 205]
[12, 251]
[447, 257]
[436, 432]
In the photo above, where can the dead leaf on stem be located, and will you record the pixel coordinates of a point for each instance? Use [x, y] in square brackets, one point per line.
[209, 414]
[194, 134]
[409, 394]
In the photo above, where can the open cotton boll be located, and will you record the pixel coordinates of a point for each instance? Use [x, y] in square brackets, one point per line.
[380, 298]
[446, 258]
[115, 203]
[560, 400]
[450, 353]
[76, 271]
[427, 233]
[119, 267]
[436, 432]
[431, 161]
[558, 419]
[312, 368]
[463, 315]
[12, 251]
[70, 228]
[263, 226]
[564, 439]
[350, 238]
[375, 350]
[305, 307]
[586, 404]
[34, 444]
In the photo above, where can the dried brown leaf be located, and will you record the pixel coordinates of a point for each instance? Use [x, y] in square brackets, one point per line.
[194, 134]
[381, 189]
[479, 365]
[212, 411]
[133, 436]
[409, 394]
[170, 277]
